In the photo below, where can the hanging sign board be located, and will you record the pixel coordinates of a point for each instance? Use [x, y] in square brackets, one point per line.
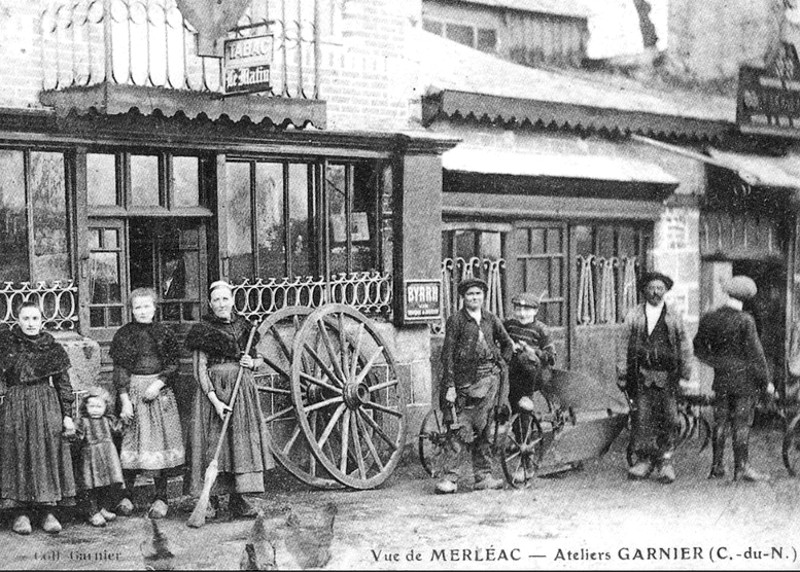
[247, 64]
[422, 300]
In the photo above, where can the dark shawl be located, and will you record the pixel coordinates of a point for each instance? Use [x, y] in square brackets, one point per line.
[127, 342]
[220, 339]
[30, 358]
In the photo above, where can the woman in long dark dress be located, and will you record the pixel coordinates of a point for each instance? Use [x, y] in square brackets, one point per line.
[218, 343]
[36, 474]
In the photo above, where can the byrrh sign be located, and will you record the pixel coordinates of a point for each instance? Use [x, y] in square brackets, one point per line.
[768, 101]
[247, 64]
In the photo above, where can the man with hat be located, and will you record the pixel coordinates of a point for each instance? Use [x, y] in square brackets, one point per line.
[534, 355]
[727, 340]
[657, 360]
[475, 347]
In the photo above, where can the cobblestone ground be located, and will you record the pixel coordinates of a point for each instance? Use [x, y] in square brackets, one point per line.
[590, 518]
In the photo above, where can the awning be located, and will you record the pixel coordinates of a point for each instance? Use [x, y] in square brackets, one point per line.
[758, 170]
[570, 166]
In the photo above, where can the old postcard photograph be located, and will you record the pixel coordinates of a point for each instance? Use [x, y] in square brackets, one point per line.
[399, 284]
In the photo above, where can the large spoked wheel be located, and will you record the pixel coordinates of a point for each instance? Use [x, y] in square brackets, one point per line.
[287, 443]
[434, 439]
[347, 396]
[521, 450]
[791, 447]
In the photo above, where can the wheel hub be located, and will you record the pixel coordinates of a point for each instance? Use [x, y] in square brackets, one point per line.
[355, 394]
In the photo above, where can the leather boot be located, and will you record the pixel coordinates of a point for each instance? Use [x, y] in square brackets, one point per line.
[718, 454]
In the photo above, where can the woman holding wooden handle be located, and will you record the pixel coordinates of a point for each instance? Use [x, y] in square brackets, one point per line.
[218, 343]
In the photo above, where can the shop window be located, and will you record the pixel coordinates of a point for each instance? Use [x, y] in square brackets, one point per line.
[487, 40]
[280, 241]
[33, 217]
[101, 184]
[609, 258]
[352, 208]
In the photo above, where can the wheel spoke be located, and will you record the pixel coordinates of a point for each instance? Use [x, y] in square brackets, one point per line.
[342, 344]
[280, 413]
[274, 390]
[357, 352]
[331, 423]
[320, 383]
[321, 404]
[365, 371]
[312, 460]
[381, 433]
[383, 385]
[290, 443]
[357, 446]
[326, 339]
[383, 408]
[370, 445]
[323, 365]
[281, 342]
[345, 439]
[276, 367]
[512, 457]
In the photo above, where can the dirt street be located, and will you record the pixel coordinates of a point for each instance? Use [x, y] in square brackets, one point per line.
[590, 518]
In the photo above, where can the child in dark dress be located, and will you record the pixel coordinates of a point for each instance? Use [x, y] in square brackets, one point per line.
[100, 466]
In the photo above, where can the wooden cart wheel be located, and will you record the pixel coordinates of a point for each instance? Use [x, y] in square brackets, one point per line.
[521, 449]
[703, 431]
[347, 396]
[274, 381]
[434, 438]
[791, 447]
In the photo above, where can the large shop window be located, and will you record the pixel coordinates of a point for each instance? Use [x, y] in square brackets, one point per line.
[285, 220]
[147, 229]
[609, 257]
[33, 217]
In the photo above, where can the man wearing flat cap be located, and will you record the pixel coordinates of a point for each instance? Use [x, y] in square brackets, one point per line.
[657, 360]
[727, 340]
[476, 346]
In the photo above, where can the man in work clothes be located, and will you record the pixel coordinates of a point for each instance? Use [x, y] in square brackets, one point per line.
[475, 345]
[727, 340]
[657, 361]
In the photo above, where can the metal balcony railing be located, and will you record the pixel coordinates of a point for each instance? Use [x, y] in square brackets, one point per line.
[150, 43]
[58, 302]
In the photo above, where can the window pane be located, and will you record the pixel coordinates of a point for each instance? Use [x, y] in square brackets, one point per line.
[432, 26]
[110, 238]
[490, 245]
[49, 200]
[487, 40]
[101, 180]
[465, 244]
[461, 34]
[299, 220]
[13, 222]
[186, 181]
[269, 204]
[240, 221]
[180, 271]
[363, 229]
[104, 278]
[144, 181]
[335, 184]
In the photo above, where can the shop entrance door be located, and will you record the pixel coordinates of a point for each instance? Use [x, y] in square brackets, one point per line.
[538, 254]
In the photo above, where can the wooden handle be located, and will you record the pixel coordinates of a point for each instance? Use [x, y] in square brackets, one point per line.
[234, 394]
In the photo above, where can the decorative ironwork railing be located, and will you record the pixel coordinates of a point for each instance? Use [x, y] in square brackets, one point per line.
[606, 289]
[368, 292]
[454, 270]
[58, 302]
[150, 43]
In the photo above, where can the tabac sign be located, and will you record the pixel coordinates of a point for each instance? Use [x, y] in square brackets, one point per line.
[422, 300]
[768, 100]
[247, 64]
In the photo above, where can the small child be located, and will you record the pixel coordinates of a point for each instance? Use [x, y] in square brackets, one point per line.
[534, 354]
[530, 365]
[100, 466]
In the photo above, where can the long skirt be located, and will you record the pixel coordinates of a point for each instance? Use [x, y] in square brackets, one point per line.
[34, 456]
[153, 440]
[245, 454]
